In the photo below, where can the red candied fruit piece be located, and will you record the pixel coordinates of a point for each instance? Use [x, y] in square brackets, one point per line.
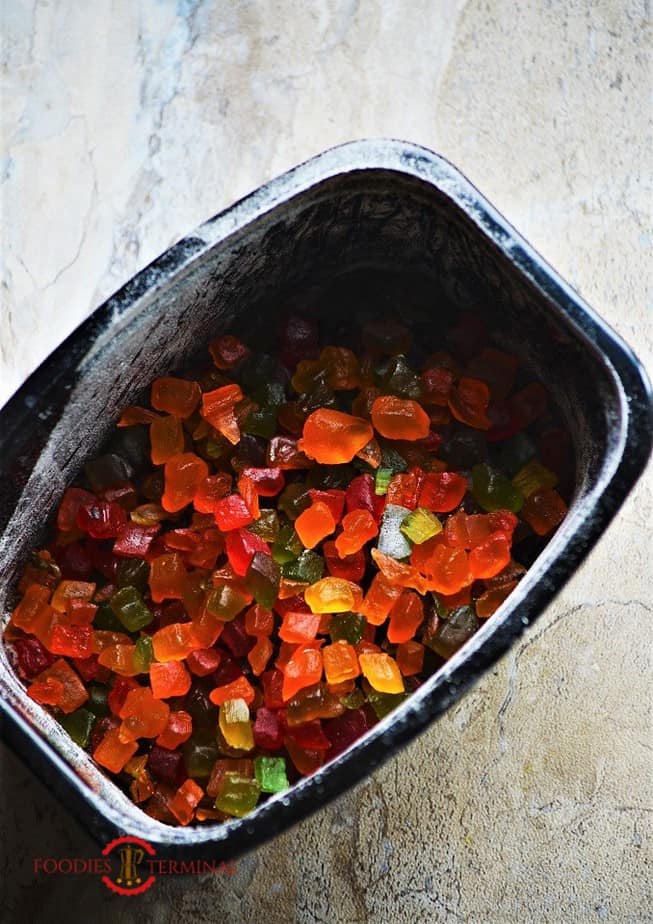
[72, 500]
[31, 657]
[241, 547]
[101, 519]
[268, 481]
[442, 491]
[203, 661]
[232, 513]
[345, 729]
[350, 568]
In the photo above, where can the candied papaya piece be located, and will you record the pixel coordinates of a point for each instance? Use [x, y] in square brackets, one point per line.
[314, 524]
[166, 439]
[185, 801]
[340, 662]
[490, 557]
[175, 396]
[468, 402]
[183, 475]
[410, 658]
[442, 491]
[332, 595]
[332, 437]
[303, 669]
[358, 527]
[71, 691]
[381, 672]
[143, 715]
[406, 616]
[169, 679]
[112, 753]
[400, 418]
[218, 409]
[177, 731]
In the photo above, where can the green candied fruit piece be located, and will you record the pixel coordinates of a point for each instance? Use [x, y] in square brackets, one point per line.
[200, 753]
[98, 699]
[326, 477]
[288, 546]
[293, 500]
[107, 471]
[384, 703]
[262, 579]
[225, 602]
[515, 453]
[261, 422]
[133, 572]
[238, 795]
[396, 377]
[421, 525]
[353, 700]
[217, 448]
[267, 526]
[128, 606]
[271, 773]
[309, 568]
[106, 619]
[493, 491]
[534, 477]
[453, 632]
[382, 480]
[391, 459]
[347, 627]
[269, 394]
[391, 540]
[143, 654]
[79, 725]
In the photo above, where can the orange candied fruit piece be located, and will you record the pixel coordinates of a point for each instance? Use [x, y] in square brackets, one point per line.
[171, 678]
[259, 655]
[166, 439]
[167, 577]
[490, 557]
[240, 688]
[185, 800]
[405, 617]
[332, 437]
[358, 527]
[379, 600]
[218, 408]
[112, 753]
[183, 475]
[381, 672]
[73, 692]
[303, 669]
[299, 627]
[468, 402]
[543, 511]
[340, 662]
[34, 602]
[410, 658]
[174, 642]
[143, 715]
[400, 418]
[67, 591]
[175, 396]
[490, 601]
[211, 491]
[178, 730]
[332, 595]
[314, 524]
[259, 621]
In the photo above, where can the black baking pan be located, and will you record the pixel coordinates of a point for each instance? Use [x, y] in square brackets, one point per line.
[376, 223]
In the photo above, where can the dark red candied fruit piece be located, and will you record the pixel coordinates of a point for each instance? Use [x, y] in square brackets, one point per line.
[203, 661]
[167, 765]
[345, 729]
[361, 495]
[227, 671]
[74, 561]
[272, 682]
[268, 730]
[31, 657]
[134, 541]
[236, 639]
[309, 736]
[241, 546]
[350, 568]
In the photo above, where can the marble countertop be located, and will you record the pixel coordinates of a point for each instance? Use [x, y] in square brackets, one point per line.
[128, 123]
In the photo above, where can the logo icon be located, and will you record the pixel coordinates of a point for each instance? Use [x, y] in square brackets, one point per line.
[127, 876]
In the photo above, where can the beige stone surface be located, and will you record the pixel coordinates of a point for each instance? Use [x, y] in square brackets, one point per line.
[126, 123]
